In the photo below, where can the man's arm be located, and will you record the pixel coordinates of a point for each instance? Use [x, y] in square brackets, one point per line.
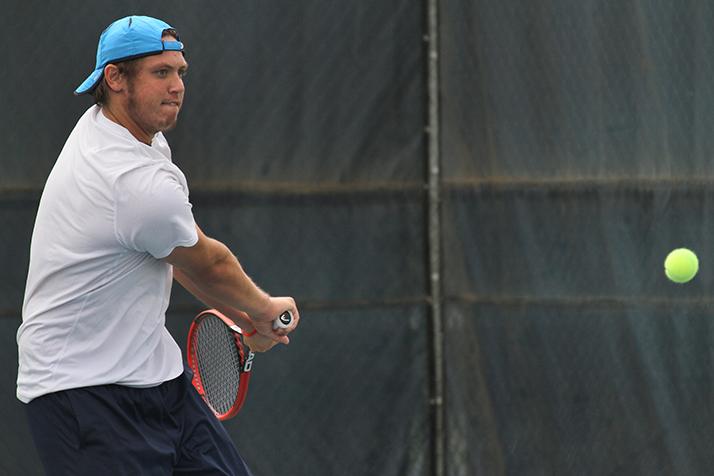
[215, 273]
[256, 342]
[239, 317]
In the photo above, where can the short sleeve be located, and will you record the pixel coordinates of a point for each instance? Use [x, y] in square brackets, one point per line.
[153, 213]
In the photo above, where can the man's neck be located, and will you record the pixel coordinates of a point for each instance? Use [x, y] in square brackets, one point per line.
[118, 116]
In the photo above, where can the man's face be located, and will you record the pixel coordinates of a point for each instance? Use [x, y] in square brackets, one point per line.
[155, 94]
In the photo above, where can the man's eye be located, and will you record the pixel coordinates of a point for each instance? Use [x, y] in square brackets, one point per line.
[161, 73]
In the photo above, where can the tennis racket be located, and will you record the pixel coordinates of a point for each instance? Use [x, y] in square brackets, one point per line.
[220, 362]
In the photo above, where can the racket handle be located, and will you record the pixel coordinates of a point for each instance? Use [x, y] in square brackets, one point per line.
[283, 321]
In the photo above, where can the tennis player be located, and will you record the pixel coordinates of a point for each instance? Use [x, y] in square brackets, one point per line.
[104, 383]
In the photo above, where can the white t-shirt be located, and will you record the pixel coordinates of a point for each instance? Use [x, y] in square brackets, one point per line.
[97, 292]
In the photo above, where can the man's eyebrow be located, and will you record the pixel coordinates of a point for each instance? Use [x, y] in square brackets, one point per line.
[170, 66]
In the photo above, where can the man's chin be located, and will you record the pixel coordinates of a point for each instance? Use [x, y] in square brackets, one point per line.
[169, 126]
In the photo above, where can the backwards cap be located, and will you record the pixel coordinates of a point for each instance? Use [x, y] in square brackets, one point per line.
[128, 38]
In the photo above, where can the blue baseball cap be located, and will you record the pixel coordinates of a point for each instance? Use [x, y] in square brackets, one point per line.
[128, 38]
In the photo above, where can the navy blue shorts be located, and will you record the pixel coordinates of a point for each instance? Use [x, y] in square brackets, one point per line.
[113, 430]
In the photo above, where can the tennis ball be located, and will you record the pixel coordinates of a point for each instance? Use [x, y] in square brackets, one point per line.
[681, 265]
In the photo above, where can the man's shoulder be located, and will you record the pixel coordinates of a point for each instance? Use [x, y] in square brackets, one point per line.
[151, 178]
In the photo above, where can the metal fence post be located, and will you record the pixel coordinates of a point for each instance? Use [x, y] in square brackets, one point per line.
[434, 243]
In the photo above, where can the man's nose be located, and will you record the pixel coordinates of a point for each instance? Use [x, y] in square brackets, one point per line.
[176, 85]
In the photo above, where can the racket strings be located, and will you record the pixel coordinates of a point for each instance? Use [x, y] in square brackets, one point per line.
[219, 363]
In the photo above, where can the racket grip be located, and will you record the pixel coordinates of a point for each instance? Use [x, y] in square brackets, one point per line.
[283, 321]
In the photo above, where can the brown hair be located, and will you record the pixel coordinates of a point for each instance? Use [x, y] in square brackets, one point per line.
[128, 68]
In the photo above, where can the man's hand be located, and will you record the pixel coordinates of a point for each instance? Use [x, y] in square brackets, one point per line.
[259, 343]
[263, 321]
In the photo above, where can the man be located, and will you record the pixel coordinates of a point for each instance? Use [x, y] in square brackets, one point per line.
[103, 380]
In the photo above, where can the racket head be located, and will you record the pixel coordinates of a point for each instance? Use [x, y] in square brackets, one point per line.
[220, 363]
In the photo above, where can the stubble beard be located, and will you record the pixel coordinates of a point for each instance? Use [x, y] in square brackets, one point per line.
[135, 110]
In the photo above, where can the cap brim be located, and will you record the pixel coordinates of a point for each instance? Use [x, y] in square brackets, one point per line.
[90, 82]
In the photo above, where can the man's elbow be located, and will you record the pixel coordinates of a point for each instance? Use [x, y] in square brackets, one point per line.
[211, 269]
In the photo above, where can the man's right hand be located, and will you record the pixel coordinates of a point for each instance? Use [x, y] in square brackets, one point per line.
[263, 321]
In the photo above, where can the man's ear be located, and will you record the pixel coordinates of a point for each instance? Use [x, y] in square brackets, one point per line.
[114, 78]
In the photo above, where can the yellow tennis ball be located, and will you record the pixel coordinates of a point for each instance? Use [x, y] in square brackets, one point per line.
[681, 265]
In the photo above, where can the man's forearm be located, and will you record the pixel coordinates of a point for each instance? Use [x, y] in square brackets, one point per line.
[216, 273]
[226, 282]
[239, 317]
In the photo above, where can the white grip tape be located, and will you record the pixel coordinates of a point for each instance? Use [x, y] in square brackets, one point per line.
[283, 321]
